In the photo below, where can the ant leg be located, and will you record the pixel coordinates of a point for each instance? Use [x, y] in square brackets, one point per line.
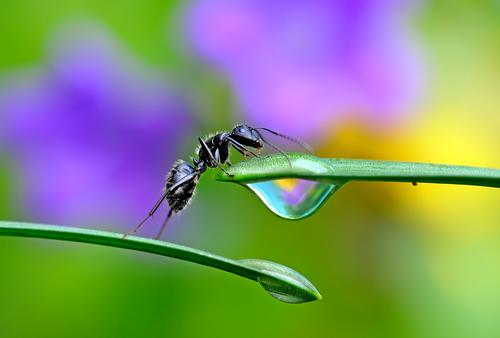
[159, 202]
[133, 231]
[224, 170]
[164, 224]
[150, 213]
[241, 148]
[205, 146]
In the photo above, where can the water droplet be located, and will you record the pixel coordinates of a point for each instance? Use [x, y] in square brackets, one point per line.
[283, 283]
[294, 198]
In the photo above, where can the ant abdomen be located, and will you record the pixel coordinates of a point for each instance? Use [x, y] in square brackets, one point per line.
[180, 184]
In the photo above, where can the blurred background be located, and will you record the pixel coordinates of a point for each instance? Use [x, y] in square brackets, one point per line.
[97, 99]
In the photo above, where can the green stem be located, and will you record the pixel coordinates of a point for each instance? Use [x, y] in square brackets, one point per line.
[289, 284]
[305, 166]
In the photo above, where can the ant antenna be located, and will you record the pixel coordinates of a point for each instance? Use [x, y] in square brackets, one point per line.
[276, 148]
[150, 213]
[286, 137]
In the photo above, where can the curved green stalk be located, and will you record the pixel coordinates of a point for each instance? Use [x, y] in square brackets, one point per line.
[281, 282]
[310, 167]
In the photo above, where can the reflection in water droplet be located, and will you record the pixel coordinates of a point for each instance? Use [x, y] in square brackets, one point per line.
[293, 198]
[283, 283]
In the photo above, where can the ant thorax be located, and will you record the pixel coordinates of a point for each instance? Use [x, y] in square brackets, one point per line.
[214, 150]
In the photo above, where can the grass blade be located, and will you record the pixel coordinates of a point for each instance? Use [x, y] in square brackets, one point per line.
[310, 167]
[275, 278]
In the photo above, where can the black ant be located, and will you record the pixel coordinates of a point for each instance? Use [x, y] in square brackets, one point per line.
[181, 180]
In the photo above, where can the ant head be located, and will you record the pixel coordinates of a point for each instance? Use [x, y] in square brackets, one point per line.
[247, 136]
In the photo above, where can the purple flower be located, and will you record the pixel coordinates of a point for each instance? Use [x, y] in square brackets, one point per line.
[92, 133]
[298, 65]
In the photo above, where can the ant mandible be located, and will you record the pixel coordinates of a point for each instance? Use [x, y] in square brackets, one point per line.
[213, 152]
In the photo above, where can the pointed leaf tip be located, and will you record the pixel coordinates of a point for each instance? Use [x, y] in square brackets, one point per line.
[283, 283]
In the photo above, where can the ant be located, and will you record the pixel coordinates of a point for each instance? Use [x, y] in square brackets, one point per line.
[182, 178]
